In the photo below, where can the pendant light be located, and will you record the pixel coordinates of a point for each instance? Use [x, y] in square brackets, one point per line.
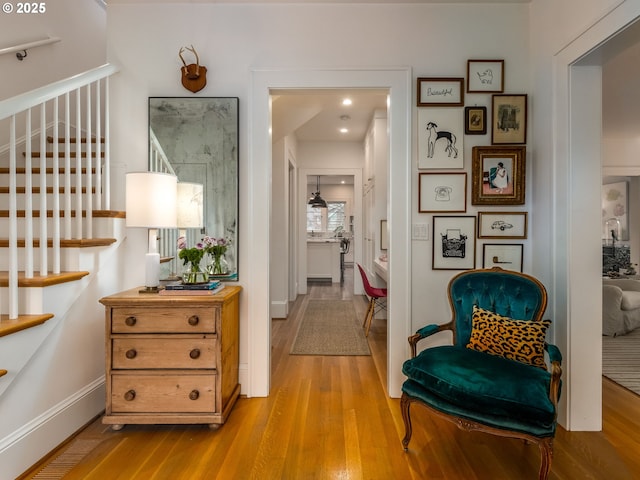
[316, 201]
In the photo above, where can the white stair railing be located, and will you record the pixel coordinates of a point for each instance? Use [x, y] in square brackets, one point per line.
[40, 107]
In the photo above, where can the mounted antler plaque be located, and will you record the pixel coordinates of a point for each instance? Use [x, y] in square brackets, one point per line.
[194, 76]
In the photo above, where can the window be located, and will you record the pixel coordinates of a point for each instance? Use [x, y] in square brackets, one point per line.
[326, 219]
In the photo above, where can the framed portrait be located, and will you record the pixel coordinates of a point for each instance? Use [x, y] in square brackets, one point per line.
[442, 192]
[498, 175]
[384, 238]
[475, 120]
[440, 92]
[485, 76]
[502, 225]
[615, 206]
[507, 256]
[509, 119]
[454, 243]
[440, 138]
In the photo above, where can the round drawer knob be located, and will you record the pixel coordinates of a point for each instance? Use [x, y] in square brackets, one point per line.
[131, 353]
[194, 320]
[195, 353]
[130, 321]
[194, 395]
[130, 395]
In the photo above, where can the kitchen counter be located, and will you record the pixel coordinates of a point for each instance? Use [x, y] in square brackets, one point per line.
[323, 258]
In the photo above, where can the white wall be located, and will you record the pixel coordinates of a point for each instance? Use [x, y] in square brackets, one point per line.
[567, 146]
[81, 26]
[233, 39]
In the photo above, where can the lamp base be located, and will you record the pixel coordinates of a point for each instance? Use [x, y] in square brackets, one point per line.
[150, 289]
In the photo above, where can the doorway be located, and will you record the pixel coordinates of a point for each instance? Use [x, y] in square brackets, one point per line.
[398, 83]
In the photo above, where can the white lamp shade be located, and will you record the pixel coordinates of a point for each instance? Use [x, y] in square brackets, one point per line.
[151, 200]
[190, 205]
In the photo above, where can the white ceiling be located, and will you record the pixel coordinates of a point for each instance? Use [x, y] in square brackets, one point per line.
[318, 115]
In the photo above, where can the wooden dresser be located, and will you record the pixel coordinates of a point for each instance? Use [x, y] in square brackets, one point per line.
[171, 359]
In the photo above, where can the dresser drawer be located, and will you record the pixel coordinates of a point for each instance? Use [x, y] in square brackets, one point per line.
[148, 393]
[168, 352]
[164, 320]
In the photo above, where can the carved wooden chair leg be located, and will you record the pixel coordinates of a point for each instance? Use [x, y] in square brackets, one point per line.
[405, 403]
[546, 454]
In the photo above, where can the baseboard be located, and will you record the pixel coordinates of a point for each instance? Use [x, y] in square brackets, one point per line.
[243, 378]
[27, 445]
[279, 309]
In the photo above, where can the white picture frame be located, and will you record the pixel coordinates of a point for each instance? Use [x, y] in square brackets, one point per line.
[440, 138]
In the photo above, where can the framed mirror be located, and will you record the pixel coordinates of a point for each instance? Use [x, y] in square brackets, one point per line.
[196, 138]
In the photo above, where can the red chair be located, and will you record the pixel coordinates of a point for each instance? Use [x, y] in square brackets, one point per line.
[377, 298]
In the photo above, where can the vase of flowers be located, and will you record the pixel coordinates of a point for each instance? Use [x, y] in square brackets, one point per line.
[191, 258]
[216, 248]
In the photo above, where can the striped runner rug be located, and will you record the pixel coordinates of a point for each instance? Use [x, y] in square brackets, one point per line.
[621, 359]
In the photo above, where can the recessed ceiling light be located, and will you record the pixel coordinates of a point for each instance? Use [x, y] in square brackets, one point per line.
[344, 130]
[347, 102]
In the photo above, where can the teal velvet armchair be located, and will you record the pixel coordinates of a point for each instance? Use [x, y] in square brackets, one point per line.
[494, 377]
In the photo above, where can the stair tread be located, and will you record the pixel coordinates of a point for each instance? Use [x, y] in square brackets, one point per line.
[36, 170]
[23, 322]
[50, 139]
[36, 190]
[62, 154]
[65, 242]
[95, 213]
[42, 280]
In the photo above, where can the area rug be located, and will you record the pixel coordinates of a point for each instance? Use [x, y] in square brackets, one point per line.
[330, 327]
[621, 359]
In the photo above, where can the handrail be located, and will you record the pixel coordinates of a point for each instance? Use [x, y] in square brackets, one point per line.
[28, 45]
[41, 95]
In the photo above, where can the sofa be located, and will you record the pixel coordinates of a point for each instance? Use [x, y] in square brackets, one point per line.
[620, 306]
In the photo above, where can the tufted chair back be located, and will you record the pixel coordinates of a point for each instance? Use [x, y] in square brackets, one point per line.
[507, 293]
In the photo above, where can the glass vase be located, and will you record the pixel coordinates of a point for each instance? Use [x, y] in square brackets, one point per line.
[193, 276]
[218, 266]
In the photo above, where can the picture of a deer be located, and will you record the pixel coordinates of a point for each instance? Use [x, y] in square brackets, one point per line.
[435, 135]
[194, 76]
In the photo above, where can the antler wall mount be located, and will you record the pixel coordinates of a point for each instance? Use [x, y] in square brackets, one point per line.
[194, 75]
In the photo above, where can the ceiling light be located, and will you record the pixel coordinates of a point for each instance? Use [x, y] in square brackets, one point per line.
[344, 130]
[346, 102]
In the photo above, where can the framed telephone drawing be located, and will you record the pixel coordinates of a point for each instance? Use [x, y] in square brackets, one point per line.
[442, 192]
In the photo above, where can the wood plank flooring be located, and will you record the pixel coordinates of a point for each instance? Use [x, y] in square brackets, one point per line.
[330, 418]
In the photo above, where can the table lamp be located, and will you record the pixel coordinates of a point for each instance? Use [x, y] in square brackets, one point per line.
[151, 202]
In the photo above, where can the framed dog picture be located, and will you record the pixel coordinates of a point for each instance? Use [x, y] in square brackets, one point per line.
[485, 76]
[440, 138]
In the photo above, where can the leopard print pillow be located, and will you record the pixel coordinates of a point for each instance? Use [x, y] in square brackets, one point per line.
[520, 340]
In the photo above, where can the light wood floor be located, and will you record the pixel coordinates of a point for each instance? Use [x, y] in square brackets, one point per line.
[330, 418]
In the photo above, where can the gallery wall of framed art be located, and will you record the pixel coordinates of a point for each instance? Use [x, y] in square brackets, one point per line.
[480, 111]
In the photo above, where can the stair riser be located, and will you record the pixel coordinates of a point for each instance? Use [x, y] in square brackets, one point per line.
[69, 260]
[102, 227]
[21, 201]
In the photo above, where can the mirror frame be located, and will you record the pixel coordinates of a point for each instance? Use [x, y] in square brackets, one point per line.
[199, 139]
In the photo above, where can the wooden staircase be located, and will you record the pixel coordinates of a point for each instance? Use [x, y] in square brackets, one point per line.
[38, 280]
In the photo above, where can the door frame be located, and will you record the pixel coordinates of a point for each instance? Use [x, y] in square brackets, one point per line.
[399, 83]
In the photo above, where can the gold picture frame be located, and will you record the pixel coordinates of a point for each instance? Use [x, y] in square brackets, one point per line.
[498, 175]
